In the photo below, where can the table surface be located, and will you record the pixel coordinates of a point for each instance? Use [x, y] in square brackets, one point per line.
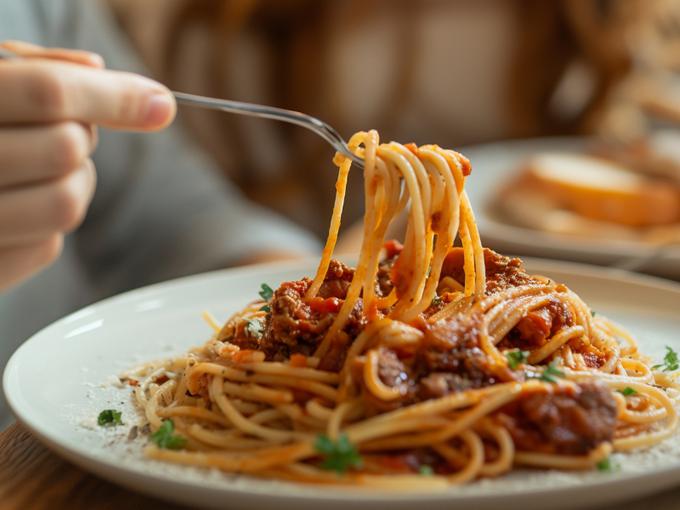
[33, 478]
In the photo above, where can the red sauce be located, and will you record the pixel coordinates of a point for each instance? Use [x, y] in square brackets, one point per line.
[465, 163]
[393, 248]
[412, 147]
[244, 355]
[325, 305]
[298, 360]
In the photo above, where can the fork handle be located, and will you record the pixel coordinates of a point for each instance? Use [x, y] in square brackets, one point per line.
[270, 112]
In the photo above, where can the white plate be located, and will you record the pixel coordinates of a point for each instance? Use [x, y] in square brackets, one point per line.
[495, 164]
[60, 379]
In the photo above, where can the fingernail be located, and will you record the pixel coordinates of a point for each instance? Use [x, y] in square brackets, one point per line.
[160, 109]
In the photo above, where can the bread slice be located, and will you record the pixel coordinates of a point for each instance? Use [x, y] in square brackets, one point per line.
[532, 209]
[601, 190]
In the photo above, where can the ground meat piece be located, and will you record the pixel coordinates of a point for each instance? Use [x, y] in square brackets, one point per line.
[592, 356]
[384, 284]
[297, 326]
[292, 326]
[337, 281]
[567, 421]
[501, 272]
[534, 329]
[334, 358]
[450, 358]
[440, 384]
[391, 370]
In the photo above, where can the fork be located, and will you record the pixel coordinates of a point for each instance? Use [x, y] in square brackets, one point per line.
[321, 128]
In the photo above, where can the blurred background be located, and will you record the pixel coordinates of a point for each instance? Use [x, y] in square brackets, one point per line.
[452, 72]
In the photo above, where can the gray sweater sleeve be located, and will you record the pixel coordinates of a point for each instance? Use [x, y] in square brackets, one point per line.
[161, 209]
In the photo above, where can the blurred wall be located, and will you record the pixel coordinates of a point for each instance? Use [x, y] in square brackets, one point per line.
[450, 72]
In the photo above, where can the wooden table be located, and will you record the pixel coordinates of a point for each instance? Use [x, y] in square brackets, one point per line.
[33, 478]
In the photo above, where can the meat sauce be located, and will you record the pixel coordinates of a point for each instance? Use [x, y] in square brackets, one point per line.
[297, 326]
[501, 272]
[449, 357]
[569, 421]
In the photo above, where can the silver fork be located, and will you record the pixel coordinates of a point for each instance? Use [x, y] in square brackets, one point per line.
[315, 125]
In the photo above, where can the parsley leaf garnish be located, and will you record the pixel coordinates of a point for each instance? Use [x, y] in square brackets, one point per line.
[593, 313]
[266, 292]
[627, 391]
[109, 418]
[338, 455]
[254, 328]
[165, 437]
[516, 357]
[670, 361]
[606, 465]
[425, 470]
[436, 301]
[551, 373]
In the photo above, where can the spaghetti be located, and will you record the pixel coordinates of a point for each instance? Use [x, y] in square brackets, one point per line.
[427, 358]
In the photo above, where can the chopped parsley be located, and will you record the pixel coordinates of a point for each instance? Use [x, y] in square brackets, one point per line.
[516, 357]
[266, 292]
[109, 418]
[670, 361]
[338, 455]
[551, 373]
[254, 328]
[627, 391]
[593, 313]
[436, 301]
[607, 466]
[165, 437]
[425, 470]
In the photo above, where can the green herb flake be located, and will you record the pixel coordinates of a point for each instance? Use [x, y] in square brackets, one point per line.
[670, 361]
[436, 301]
[254, 328]
[266, 292]
[166, 438]
[627, 391]
[425, 470]
[338, 455]
[593, 313]
[606, 465]
[266, 308]
[551, 373]
[109, 418]
[516, 358]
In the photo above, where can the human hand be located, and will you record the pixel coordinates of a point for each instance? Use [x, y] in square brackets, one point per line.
[51, 101]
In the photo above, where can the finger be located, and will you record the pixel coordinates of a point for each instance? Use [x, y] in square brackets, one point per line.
[19, 262]
[37, 153]
[50, 91]
[29, 50]
[33, 212]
